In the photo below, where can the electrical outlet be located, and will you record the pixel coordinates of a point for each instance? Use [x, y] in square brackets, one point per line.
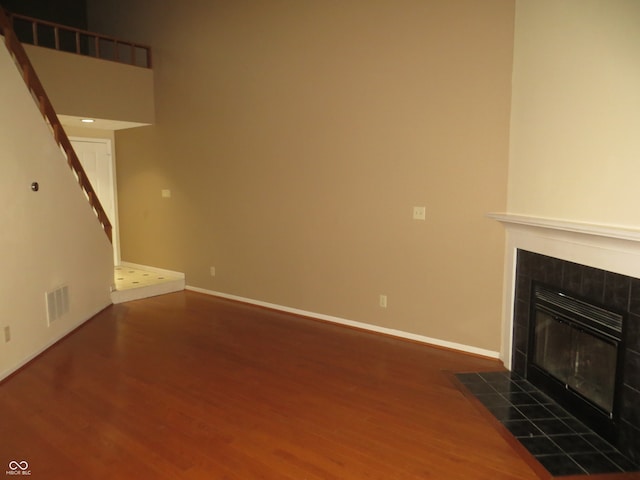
[212, 270]
[383, 301]
[7, 334]
[419, 213]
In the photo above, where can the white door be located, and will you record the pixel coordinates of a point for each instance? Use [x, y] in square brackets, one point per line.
[96, 159]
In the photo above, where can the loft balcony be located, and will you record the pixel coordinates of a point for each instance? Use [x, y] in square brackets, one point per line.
[90, 75]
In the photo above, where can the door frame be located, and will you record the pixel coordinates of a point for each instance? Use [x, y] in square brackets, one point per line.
[115, 232]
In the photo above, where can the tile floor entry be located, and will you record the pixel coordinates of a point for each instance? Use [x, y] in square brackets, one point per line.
[127, 277]
[560, 442]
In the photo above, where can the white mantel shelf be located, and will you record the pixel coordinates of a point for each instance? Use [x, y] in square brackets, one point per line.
[608, 231]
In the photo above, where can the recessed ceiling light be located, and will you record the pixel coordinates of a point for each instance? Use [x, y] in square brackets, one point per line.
[87, 120]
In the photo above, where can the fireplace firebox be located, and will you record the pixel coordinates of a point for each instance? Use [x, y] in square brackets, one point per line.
[551, 297]
[575, 348]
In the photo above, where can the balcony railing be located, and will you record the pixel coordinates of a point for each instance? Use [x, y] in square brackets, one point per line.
[73, 40]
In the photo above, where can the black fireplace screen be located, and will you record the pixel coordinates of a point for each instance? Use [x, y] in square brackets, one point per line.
[581, 361]
[576, 343]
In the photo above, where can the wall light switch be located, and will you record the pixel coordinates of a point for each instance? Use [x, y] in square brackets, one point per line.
[383, 301]
[419, 213]
[166, 193]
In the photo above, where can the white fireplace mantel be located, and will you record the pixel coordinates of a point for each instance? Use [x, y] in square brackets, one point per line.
[608, 231]
[608, 247]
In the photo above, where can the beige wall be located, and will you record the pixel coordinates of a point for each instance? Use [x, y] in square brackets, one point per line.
[48, 238]
[575, 138]
[297, 136]
[87, 87]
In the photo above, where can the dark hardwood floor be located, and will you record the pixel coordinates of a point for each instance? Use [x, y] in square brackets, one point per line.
[188, 386]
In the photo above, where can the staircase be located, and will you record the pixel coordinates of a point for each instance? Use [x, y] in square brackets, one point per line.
[131, 282]
[39, 95]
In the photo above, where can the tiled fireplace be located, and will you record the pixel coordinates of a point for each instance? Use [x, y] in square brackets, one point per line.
[595, 265]
[619, 292]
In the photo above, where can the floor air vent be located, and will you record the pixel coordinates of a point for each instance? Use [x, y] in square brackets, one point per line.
[57, 303]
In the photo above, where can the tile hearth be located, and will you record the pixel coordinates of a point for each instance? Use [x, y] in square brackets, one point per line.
[560, 442]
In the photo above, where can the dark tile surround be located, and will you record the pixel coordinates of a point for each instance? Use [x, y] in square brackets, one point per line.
[602, 288]
[561, 443]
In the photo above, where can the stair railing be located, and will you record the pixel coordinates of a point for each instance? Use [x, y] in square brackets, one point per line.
[46, 108]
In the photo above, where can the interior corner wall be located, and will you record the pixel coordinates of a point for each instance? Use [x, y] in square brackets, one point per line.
[296, 137]
[49, 238]
[575, 142]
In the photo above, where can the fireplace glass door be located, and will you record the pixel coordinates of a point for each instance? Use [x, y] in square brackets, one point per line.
[583, 362]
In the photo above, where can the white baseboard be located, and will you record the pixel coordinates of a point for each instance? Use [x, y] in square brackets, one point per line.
[363, 326]
[151, 269]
